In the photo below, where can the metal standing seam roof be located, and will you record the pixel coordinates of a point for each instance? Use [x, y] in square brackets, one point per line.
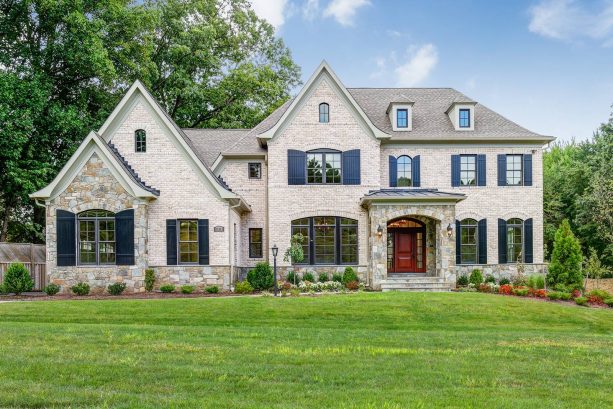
[412, 194]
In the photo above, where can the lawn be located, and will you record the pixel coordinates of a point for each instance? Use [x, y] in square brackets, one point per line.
[373, 350]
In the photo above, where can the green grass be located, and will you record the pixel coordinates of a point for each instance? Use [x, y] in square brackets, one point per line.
[392, 350]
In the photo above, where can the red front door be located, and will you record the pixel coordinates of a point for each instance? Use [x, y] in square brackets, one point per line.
[406, 251]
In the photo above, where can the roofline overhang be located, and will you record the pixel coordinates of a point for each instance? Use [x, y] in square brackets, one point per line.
[454, 103]
[222, 156]
[391, 104]
[544, 139]
[367, 201]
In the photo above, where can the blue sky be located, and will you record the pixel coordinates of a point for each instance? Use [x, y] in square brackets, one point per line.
[545, 64]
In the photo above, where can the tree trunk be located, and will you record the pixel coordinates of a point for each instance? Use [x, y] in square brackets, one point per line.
[5, 223]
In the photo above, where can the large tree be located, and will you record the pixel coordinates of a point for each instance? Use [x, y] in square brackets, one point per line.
[65, 63]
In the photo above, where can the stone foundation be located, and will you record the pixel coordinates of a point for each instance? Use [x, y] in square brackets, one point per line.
[497, 270]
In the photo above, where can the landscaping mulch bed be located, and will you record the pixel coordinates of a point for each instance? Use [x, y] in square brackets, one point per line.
[36, 296]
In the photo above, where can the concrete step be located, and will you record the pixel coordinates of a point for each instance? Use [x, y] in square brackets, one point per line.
[405, 282]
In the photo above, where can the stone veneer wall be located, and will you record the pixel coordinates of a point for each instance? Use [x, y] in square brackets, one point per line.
[501, 270]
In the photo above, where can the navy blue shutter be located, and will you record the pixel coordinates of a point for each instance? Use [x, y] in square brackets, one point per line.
[528, 237]
[416, 171]
[502, 170]
[393, 171]
[124, 236]
[455, 170]
[482, 236]
[171, 242]
[481, 170]
[66, 240]
[351, 167]
[528, 170]
[296, 167]
[458, 242]
[502, 241]
[203, 242]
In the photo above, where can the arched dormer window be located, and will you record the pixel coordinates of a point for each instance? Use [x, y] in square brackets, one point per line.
[404, 171]
[324, 113]
[140, 140]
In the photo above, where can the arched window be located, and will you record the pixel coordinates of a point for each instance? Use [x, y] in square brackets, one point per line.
[404, 172]
[140, 140]
[96, 237]
[468, 241]
[328, 239]
[515, 240]
[324, 113]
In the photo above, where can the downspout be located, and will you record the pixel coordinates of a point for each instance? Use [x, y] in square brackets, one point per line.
[267, 207]
[230, 242]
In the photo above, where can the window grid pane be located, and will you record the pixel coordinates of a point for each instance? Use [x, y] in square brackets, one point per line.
[402, 118]
[514, 169]
[404, 172]
[255, 171]
[314, 168]
[515, 240]
[255, 243]
[464, 118]
[324, 113]
[468, 170]
[333, 167]
[96, 237]
[141, 140]
[468, 241]
[188, 241]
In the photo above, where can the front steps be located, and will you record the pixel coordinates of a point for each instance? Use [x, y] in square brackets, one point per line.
[414, 282]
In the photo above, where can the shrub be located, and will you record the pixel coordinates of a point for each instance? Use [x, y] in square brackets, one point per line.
[261, 277]
[323, 277]
[462, 281]
[352, 285]
[243, 287]
[17, 279]
[519, 280]
[566, 258]
[167, 288]
[597, 297]
[308, 276]
[504, 281]
[187, 289]
[484, 288]
[581, 300]
[521, 292]
[80, 289]
[306, 286]
[116, 288]
[349, 275]
[553, 295]
[490, 279]
[337, 277]
[565, 296]
[600, 293]
[505, 289]
[575, 293]
[540, 293]
[213, 289]
[293, 277]
[51, 289]
[294, 292]
[285, 285]
[3, 289]
[536, 282]
[476, 277]
[609, 302]
[561, 288]
[149, 279]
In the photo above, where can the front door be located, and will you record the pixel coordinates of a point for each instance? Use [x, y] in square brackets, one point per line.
[406, 251]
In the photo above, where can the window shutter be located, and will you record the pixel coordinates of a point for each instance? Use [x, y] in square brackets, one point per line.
[482, 234]
[171, 242]
[502, 170]
[203, 242]
[481, 170]
[296, 167]
[351, 167]
[502, 241]
[416, 171]
[124, 236]
[528, 238]
[528, 170]
[66, 240]
[458, 242]
[393, 169]
[455, 170]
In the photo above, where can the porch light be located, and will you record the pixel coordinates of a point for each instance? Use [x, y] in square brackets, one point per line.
[449, 230]
[379, 231]
[275, 250]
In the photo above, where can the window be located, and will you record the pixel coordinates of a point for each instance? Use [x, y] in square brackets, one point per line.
[468, 241]
[404, 170]
[255, 171]
[140, 138]
[188, 241]
[515, 236]
[96, 237]
[317, 161]
[402, 118]
[464, 118]
[468, 170]
[324, 113]
[255, 243]
[514, 170]
[328, 239]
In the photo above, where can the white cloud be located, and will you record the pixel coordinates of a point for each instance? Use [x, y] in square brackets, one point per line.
[419, 65]
[570, 20]
[310, 9]
[344, 11]
[272, 11]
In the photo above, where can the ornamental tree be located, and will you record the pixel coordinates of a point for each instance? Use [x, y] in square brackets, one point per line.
[566, 258]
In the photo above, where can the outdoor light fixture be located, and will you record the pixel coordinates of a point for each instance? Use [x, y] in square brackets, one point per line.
[275, 251]
[379, 231]
[449, 230]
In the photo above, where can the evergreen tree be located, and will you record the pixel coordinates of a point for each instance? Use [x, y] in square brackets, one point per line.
[566, 258]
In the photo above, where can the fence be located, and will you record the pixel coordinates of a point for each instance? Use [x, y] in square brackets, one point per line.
[32, 256]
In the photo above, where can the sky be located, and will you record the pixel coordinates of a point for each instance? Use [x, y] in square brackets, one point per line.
[545, 64]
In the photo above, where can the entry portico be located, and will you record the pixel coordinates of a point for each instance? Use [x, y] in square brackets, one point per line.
[412, 233]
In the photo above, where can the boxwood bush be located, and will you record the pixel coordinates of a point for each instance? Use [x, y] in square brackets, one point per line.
[293, 277]
[308, 276]
[476, 277]
[17, 279]
[261, 277]
[462, 281]
[167, 288]
[187, 289]
[349, 275]
[51, 289]
[116, 288]
[243, 287]
[338, 277]
[149, 279]
[212, 289]
[80, 289]
[323, 277]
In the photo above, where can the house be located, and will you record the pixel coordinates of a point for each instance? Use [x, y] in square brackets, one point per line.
[409, 186]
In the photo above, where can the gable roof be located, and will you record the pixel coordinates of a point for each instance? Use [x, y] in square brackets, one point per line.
[128, 168]
[119, 168]
[210, 143]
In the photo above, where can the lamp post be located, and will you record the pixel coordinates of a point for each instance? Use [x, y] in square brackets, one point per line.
[275, 251]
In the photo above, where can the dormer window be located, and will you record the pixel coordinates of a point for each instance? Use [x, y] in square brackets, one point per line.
[402, 118]
[324, 113]
[140, 140]
[464, 119]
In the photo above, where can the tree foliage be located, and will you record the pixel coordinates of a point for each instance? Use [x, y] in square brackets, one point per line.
[566, 258]
[64, 64]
